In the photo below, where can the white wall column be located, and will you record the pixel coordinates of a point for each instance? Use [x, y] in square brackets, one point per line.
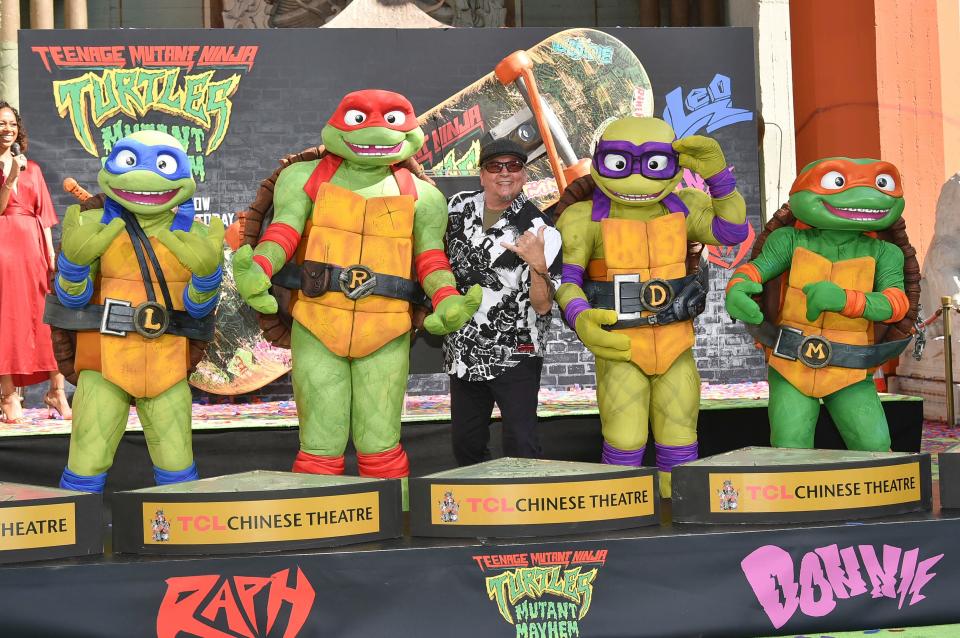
[770, 20]
[41, 14]
[9, 23]
[75, 14]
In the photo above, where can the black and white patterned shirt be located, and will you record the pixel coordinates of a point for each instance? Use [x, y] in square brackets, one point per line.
[506, 329]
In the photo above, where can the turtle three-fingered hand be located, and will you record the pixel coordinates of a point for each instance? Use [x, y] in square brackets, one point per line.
[252, 282]
[200, 253]
[86, 239]
[823, 296]
[453, 312]
[700, 154]
[604, 344]
[740, 304]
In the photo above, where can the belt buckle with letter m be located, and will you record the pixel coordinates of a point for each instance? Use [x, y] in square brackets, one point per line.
[815, 352]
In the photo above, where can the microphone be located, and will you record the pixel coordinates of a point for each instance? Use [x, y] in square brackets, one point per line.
[15, 153]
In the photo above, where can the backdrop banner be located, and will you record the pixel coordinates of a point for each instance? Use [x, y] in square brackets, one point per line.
[241, 99]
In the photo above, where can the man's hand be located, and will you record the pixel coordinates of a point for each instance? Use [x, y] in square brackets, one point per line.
[700, 154]
[252, 283]
[85, 240]
[199, 254]
[612, 346]
[529, 248]
[740, 305]
[453, 312]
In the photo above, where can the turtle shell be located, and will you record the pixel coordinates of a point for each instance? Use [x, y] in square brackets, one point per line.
[65, 341]
[253, 221]
[770, 299]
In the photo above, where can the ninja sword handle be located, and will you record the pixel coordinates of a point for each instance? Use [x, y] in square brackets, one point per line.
[71, 186]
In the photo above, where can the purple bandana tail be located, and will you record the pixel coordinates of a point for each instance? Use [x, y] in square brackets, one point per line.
[670, 456]
[601, 205]
[614, 456]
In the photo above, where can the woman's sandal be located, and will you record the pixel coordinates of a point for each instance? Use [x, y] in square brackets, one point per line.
[10, 405]
[55, 408]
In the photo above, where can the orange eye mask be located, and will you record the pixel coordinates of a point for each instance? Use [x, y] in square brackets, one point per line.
[837, 175]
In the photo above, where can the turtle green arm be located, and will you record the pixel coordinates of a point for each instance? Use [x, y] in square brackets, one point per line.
[578, 233]
[88, 219]
[291, 206]
[77, 288]
[196, 296]
[776, 255]
[774, 259]
[429, 228]
[889, 274]
[707, 214]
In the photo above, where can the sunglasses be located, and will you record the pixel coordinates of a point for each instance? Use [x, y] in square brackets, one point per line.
[513, 166]
[619, 158]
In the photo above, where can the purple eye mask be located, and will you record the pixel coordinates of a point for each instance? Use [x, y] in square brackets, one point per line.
[637, 158]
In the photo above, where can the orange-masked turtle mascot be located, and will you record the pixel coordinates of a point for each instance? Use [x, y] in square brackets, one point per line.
[841, 280]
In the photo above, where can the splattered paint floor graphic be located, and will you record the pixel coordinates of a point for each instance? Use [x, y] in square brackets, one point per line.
[934, 631]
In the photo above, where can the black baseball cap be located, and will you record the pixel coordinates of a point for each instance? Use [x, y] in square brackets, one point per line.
[502, 146]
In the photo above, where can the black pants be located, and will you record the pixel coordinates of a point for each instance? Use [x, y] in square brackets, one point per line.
[471, 404]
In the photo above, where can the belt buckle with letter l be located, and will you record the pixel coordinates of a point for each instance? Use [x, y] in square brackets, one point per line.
[623, 279]
[108, 305]
[151, 320]
[357, 282]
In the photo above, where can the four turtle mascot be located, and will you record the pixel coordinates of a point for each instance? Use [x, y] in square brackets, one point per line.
[625, 255]
[355, 227]
[136, 280]
[840, 280]
[360, 240]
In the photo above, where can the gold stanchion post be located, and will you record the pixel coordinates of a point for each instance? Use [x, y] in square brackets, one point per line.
[947, 307]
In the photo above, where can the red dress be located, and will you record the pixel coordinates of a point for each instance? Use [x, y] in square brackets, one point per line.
[26, 351]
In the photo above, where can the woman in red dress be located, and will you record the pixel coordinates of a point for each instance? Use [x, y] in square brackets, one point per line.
[26, 259]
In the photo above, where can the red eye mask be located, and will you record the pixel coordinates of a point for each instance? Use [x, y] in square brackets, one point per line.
[851, 174]
[374, 107]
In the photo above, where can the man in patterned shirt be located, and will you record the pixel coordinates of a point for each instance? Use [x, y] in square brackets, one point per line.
[500, 240]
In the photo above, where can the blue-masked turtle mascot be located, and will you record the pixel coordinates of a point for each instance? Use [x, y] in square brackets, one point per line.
[137, 279]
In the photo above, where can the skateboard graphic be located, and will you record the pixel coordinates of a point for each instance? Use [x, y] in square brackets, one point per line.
[569, 86]
[238, 360]
[585, 79]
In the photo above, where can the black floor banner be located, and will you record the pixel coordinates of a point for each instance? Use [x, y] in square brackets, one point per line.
[685, 582]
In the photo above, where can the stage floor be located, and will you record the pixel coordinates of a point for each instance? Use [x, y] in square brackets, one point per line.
[417, 409]
[732, 416]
